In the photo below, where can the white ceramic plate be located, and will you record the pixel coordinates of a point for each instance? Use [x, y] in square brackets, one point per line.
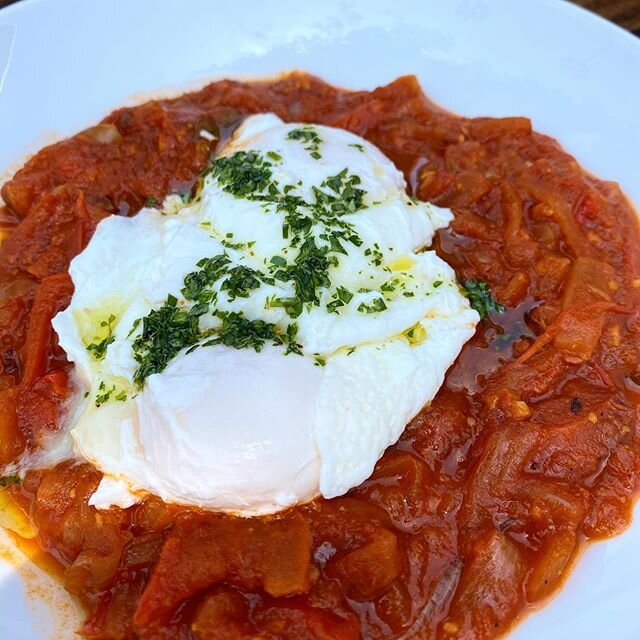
[66, 63]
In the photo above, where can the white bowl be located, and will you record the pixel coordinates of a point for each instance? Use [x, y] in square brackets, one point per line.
[64, 64]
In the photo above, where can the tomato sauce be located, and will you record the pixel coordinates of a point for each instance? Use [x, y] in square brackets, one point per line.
[530, 449]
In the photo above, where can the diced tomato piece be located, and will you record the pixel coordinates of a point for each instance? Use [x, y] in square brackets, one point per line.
[367, 571]
[52, 296]
[12, 442]
[273, 554]
[55, 230]
[291, 621]
[222, 615]
[553, 197]
[552, 562]
[401, 484]
[92, 571]
[589, 281]
[39, 407]
[362, 118]
[13, 320]
[344, 523]
[153, 514]
[113, 617]
[143, 551]
[61, 525]
[490, 590]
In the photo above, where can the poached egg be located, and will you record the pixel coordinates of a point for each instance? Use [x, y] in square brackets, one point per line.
[263, 342]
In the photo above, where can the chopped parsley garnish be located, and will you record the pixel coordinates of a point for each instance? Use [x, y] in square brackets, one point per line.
[241, 281]
[341, 297]
[309, 271]
[9, 481]
[375, 306]
[150, 202]
[241, 333]
[437, 283]
[292, 306]
[357, 146]
[197, 284]
[171, 328]
[317, 228]
[480, 298]
[99, 349]
[165, 332]
[344, 196]
[278, 261]
[375, 253]
[232, 245]
[243, 173]
[309, 137]
[105, 394]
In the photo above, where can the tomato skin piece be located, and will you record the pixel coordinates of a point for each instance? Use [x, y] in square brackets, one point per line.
[12, 441]
[52, 296]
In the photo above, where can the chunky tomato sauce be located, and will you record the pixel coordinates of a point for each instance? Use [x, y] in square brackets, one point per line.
[530, 449]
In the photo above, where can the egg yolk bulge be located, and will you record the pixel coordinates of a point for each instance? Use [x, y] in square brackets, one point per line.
[264, 342]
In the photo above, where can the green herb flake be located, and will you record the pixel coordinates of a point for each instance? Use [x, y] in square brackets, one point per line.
[11, 480]
[309, 137]
[242, 174]
[241, 281]
[375, 306]
[292, 306]
[278, 261]
[105, 394]
[309, 272]
[376, 255]
[340, 298]
[232, 245]
[165, 332]
[198, 284]
[319, 361]
[241, 333]
[98, 348]
[480, 298]
[357, 146]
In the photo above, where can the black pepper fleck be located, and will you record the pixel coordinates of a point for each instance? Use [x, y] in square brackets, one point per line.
[575, 405]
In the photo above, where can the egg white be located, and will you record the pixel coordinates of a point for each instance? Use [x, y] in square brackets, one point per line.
[254, 432]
